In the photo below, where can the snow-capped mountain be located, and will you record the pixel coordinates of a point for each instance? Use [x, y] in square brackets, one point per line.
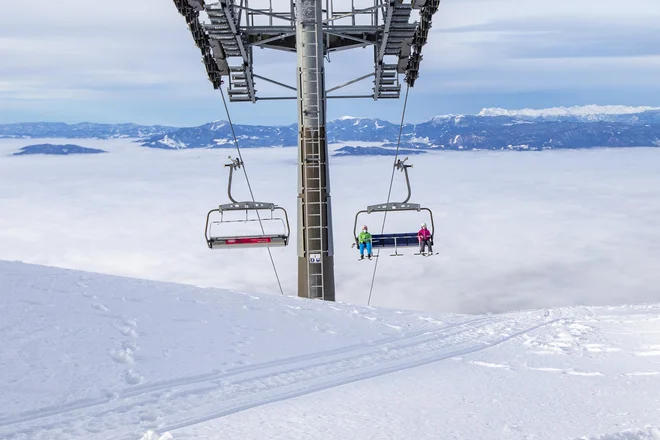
[491, 129]
[349, 128]
[503, 132]
[451, 132]
[218, 135]
[585, 112]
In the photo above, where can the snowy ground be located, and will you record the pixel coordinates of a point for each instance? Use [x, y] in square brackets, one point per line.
[514, 230]
[89, 356]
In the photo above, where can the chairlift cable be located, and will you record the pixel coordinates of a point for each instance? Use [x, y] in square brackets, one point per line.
[389, 193]
[240, 157]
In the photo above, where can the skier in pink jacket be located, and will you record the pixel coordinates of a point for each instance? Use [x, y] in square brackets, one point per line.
[425, 239]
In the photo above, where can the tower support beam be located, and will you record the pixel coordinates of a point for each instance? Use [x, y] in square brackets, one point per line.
[315, 253]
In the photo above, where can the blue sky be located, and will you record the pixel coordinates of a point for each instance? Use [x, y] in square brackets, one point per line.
[125, 61]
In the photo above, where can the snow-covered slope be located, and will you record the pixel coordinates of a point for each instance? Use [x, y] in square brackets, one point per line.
[88, 356]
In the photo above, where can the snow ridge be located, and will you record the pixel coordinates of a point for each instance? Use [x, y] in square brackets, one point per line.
[580, 111]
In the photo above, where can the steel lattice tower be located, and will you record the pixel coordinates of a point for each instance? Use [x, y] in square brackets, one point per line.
[310, 28]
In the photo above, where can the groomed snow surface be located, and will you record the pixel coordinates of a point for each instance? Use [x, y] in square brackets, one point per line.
[90, 356]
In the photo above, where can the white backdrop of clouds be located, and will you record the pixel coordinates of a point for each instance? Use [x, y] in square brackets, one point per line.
[135, 61]
[513, 230]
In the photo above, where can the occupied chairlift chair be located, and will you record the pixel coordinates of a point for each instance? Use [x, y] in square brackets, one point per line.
[240, 241]
[395, 240]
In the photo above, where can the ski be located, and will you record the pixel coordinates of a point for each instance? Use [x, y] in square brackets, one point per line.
[372, 257]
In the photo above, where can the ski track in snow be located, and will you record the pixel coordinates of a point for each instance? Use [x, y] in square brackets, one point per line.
[165, 385]
[126, 353]
[218, 394]
[590, 354]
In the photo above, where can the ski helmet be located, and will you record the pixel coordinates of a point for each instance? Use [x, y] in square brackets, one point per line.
[423, 225]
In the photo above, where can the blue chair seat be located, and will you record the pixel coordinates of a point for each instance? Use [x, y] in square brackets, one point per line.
[404, 239]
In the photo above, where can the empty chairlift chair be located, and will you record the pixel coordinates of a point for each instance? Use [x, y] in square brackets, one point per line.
[395, 239]
[215, 231]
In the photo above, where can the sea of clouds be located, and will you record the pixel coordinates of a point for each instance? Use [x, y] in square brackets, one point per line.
[514, 230]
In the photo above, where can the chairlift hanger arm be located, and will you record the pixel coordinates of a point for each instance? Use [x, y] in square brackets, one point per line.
[234, 164]
[401, 165]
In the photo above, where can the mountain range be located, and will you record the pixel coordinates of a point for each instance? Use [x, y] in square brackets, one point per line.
[83, 130]
[59, 150]
[491, 129]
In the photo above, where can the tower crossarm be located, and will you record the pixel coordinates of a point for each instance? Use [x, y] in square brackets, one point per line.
[394, 42]
[427, 9]
[271, 37]
[213, 56]
[236, 28]
[225, 31]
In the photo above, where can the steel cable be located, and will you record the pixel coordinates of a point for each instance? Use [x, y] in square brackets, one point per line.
[240, 157]
[389, 192]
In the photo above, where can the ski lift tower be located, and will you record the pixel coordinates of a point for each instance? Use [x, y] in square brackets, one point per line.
[312, 29]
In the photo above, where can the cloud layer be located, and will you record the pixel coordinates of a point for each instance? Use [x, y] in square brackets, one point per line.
[513, 230]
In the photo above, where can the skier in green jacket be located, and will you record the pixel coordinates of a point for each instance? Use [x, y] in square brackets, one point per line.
[364, 240]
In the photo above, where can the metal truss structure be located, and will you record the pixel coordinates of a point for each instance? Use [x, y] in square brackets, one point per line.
[227, 42]
[312, 29]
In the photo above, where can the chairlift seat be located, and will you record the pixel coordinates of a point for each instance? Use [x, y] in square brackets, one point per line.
[248, 241]
[404, 239]
[395, 240]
